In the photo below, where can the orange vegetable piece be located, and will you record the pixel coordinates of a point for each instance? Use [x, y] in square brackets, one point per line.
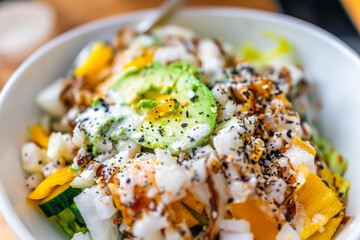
[99, 57]
[40, 135]
[190, 201]
[142, 171]
[259, 214]
[304, 145]
[315, 203]
[57, 191]
[329, 228]
[140, 62]
[142, 204]
[181, 214]
[262, 88]
[166, 107]
[115, 195]
[46, 187]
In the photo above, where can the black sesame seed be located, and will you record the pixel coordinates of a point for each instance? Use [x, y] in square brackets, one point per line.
[246, 94]
[288, 133]
[326, 183]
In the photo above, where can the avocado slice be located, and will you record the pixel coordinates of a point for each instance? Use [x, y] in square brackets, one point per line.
[179, 110]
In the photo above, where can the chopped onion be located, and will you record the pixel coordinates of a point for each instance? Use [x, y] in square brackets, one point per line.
[81, 236]
[232, 225]
[33, 181]
[49, 100]
[33, 158]
[80, 182]
[60, 146]
[104, 207]
[287, 233]
[100, 229]
[236, 236]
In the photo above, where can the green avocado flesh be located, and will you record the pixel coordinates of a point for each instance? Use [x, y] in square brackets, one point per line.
[190, 121]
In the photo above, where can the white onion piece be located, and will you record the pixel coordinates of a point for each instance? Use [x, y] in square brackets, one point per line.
[33, 158]
[80, 182]
[287, 233]
[49, 100]
[33, 181]
[149, 227]
[51, 167]
[104, 207]
[236, 236]
[99, 229]
[81, 236]
[232, 225]
[60, 146]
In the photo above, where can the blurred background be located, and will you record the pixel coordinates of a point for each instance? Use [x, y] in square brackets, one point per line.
[27, 24]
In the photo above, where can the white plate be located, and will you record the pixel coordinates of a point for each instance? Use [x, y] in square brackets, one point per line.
[332, 67]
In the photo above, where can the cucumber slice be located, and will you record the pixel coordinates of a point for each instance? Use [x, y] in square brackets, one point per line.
[67, 221]
[79, 218]
[60, 199]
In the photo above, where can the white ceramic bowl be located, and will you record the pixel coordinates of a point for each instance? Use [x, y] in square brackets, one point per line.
[332, 67]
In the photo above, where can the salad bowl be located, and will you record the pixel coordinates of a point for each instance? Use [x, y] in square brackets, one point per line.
[332, 68]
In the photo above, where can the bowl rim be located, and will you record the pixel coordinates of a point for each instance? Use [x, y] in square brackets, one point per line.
[6, 207]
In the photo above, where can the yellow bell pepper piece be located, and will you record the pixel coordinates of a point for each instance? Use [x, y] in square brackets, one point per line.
[99, 57]
[193, 203]
[57, 191]
[181, 214]
[40, 135]
[259, 214]
[166, 107]
[140, 62]
[315, 203]
[304, 145]
[46, 187]
[329, 229]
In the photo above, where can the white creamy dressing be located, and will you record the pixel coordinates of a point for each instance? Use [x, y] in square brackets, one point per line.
[198, 132]
[109, 120]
